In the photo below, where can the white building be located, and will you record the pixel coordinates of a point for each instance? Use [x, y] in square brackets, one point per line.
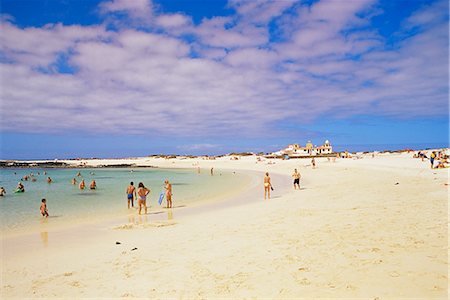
[295, 150]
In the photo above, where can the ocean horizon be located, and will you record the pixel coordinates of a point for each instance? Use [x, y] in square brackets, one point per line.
[336, 148]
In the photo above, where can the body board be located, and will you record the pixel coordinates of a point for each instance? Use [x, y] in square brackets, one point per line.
[161, 197]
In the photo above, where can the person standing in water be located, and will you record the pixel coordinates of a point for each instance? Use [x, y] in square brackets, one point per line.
[82, 184]
[131, 194]
[44, 211]
[20, 187]
[142, 196]
[296, 175]
[2, 191]
[74, 181]
[267, 186]
[93, 185]
[168, 188]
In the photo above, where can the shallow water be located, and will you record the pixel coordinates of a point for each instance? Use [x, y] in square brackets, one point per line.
[67, 203]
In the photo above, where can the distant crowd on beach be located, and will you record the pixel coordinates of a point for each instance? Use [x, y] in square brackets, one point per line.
[438, 159]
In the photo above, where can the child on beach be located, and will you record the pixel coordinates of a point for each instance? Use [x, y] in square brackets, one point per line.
[44, 211]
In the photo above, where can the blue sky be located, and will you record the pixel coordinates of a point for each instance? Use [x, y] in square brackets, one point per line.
[122, 78]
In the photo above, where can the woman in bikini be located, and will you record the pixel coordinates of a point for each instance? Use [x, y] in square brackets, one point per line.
[142, 196]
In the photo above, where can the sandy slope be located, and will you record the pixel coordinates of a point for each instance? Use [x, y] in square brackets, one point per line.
[374, 227]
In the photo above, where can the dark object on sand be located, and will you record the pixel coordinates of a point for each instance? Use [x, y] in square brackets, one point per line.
[118, 243]
[134, 249]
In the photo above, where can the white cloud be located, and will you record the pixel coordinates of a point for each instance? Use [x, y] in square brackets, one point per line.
[242, 82]
[135, 8]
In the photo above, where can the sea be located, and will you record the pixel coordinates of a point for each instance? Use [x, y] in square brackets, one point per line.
[66, 203]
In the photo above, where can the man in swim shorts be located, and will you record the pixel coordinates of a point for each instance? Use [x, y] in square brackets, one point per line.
[296, 175]
[131, 194]
[93, 185]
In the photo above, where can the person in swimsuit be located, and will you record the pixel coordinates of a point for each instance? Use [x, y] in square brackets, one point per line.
[131, 194]
[49, 180]
[74, 181]
[142, 193]
[20, 187]
[44, 211]
[2, 191]
[313, 162]
[267, 186]
[82, 184]
[168, 188]
[296, 175]
[93, 185]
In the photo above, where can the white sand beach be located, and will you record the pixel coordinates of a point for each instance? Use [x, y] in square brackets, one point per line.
[373, 228]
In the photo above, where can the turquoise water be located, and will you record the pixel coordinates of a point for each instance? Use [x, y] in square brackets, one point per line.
[66, 202]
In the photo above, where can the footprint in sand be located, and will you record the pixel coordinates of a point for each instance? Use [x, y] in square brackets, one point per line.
[394, 274]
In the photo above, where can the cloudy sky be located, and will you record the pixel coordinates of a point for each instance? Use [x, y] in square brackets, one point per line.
[121, 78]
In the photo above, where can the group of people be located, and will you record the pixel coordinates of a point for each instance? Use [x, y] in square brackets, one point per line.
[439, 156]
[142, 192]
[268, 183]
[82, 185]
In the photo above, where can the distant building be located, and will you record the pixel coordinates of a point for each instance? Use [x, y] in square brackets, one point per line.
[295, 150]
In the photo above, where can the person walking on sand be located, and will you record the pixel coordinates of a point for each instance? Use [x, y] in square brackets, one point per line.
[432, 157]
[313, 163]
[168, 187]
[296, 175]
[142, 196]
[131, 194]
[82, 184]
[44, 211]
[267, 186]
